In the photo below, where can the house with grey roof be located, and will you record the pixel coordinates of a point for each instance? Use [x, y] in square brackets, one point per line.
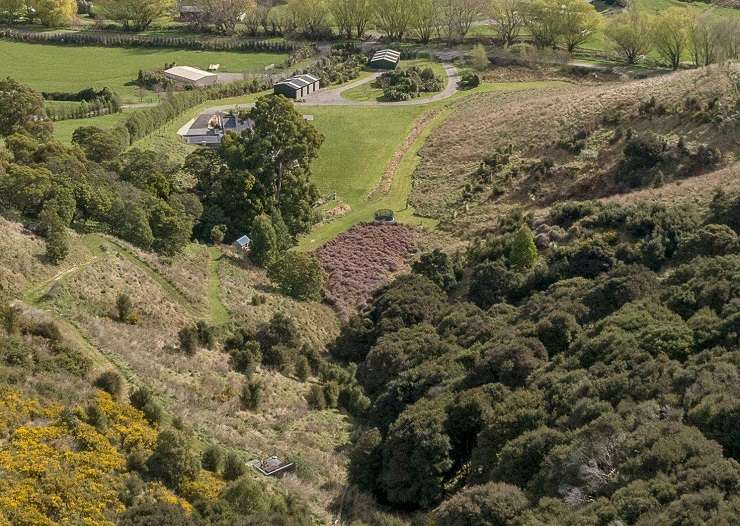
[210, 127]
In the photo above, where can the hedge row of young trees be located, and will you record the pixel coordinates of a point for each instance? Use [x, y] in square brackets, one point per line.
[82, 110]
[108, 39]
[592, 381]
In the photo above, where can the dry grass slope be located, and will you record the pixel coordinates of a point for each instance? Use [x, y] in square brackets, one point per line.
[535, 125]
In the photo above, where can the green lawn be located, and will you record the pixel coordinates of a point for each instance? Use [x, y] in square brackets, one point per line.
[72, 68]
[359, 143]
[367, 92]
[63, 130]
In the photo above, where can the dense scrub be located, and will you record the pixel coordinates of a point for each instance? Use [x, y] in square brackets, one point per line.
[588, 373]
[362, 259]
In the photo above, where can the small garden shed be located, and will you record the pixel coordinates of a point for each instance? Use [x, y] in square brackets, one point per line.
[243, 243]
[385, 59]
[297, 87]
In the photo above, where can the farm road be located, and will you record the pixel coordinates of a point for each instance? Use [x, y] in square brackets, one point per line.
[333, 97]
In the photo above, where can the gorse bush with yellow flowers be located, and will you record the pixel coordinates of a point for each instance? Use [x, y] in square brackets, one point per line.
[59, 469]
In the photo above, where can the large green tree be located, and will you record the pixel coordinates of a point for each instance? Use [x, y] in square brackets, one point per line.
[298, 275]
[54, 13]
[264, 241]
[670, 33]
[351, 15]
[629, 32]
[394, 17]
[20, 106]
[277, 153]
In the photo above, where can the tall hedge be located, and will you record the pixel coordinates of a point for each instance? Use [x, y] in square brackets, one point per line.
[110, 39]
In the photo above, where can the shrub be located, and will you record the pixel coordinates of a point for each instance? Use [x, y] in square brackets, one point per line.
[479, 58]
[523, 251]
[493, 504]
[251, 395]
[316, 398]
[302, 369]
[188, 338]
[234, 467]
[143, 400]
[213, 458]
[469, 80]
[246, 496]
[218, 233]
[110, 382]
[124, 308]
[173, 461]
[642, 153]
[439, 268]
[246, 359]
[155, 513]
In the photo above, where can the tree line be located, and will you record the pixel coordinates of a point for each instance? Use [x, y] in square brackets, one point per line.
[675, 34]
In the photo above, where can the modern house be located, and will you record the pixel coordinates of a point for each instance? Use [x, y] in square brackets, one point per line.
[187, 76]
[385, 59]
[297, 87]
[209, 128]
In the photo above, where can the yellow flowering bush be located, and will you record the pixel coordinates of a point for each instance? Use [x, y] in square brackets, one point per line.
[127, 426]
[158, 492]
[205, 486]
[56, 470]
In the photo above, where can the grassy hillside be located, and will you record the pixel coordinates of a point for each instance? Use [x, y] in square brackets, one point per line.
[167, 294]
[567, 143]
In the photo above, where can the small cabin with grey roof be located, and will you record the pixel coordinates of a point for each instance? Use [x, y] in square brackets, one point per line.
[297, 87]
[385, 59]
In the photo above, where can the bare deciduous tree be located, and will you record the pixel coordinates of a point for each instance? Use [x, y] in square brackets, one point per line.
[507, 19]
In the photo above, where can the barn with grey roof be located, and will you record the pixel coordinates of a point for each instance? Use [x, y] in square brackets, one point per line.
[297, 87]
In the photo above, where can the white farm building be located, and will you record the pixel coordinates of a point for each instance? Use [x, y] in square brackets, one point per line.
[187, 76]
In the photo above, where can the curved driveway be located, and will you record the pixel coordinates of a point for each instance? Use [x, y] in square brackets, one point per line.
[333, 97]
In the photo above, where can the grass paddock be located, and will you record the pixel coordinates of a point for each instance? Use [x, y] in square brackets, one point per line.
[72, 68]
